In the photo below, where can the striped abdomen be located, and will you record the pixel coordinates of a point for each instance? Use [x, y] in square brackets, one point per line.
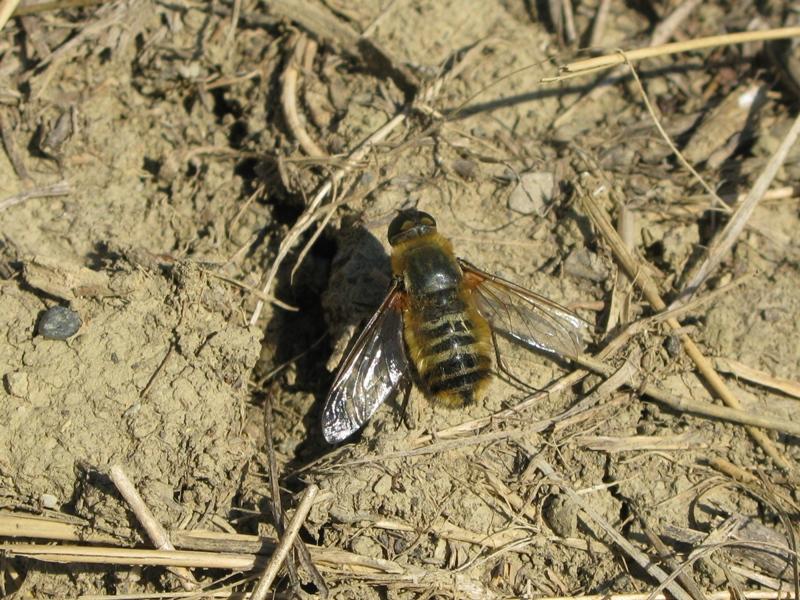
[449, 344]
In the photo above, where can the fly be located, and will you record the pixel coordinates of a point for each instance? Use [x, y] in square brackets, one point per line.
[438, 316]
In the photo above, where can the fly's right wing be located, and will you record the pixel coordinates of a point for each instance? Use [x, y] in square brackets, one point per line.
[373, 369]
[524, 316]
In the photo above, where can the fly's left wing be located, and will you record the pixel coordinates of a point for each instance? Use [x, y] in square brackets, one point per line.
[525, 317]
[373, 369]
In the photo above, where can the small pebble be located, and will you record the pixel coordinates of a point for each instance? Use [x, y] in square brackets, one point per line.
[561, 515]
[672, 345]
[58, 323]
[383, 486]
[48, 501]
[17, 383]
[466, 169]
[532, 193]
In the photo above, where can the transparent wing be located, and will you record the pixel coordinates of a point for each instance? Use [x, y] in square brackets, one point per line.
[526, 317]
[371, 371]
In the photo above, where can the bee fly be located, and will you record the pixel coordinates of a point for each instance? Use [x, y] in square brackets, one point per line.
[439, 314]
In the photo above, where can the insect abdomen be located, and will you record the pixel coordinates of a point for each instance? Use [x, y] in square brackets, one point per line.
[449, 344]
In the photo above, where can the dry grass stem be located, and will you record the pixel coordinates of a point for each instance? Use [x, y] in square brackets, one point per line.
[289, 99]
[250, 290]
[664, 30]
[719, 203]
[279, 517]
[641, 443]
[41, 7]
[152, 527]
[442, 528]
[12, 151]
[733, 415]
[725, 239]
[33, 526]
[650, 290]
[731, 470]
[7, 8]
[592, 65]
[108, 15]
[599, 24]
[637, 555]
[721, 595]
[619, 311]
[99, 555]
[742, 371]
[264, 584]
[235, 14]
[668, 556]
[62, 188]
[569, 21]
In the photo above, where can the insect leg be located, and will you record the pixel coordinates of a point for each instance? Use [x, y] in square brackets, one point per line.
[403, 415]
[525, 386]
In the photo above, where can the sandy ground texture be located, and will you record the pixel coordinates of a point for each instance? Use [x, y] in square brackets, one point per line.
[208, 185]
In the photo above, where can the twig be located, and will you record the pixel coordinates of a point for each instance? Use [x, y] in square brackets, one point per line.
[265, 583]
[664, 30]
[279, 516]
[731, 470]
[35, 526]
[11, 150]
[667, 556]
[723, 242]
[152, 527]
[442, 528]
[251, 290]
[289, 99]
[641, 443]
[734, 415]
[599, 24]
[637, 555]
[154, 377]
[723, 595]
[40, 7]
[569, 21]
[101, 555]
[592, 65]
[237, 11]
[665, 136]
[619, 311]
[742, 371]
[641, 277]
[7, 7]
[62, 188]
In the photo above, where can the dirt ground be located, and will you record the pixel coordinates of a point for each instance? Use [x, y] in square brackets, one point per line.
[161, 158]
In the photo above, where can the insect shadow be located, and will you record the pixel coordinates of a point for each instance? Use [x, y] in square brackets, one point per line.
[336, 288]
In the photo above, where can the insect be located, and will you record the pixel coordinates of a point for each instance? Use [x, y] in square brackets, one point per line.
[439, 315]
